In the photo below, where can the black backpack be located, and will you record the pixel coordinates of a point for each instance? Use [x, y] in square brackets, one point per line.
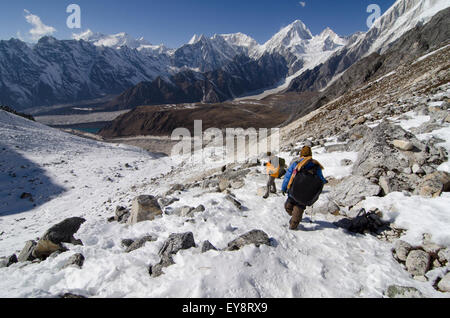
[306, 186]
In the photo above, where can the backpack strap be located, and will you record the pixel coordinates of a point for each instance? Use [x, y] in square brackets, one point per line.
[299, 167]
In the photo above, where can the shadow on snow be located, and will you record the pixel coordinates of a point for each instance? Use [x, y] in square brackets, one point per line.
[20, 178]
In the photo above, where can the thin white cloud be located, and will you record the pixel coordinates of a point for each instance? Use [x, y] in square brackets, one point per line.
[39, 29]
[302, 3]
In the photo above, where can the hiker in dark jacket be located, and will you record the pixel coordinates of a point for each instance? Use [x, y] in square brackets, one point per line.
[293, 208]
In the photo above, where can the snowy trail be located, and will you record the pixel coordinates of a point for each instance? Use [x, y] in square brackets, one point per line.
[319, 261]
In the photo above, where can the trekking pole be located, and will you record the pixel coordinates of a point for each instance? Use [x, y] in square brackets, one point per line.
[312, 214]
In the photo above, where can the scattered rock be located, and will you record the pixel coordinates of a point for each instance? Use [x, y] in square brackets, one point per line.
[444, 284]
[256, 237]
[352, 190]
[177, 242]
[26, 195]
[27, 252]
[8, 261]
[434, 184]
[444, 255]
[235, 202]
[418, 262]
[75, 260]
[207, 246]
[139, 243]
[126, 242]
[402, 249]
[144, 208]
[172, 245]
[395, 291]
[120, 213]
[54, 237]
[346, 162]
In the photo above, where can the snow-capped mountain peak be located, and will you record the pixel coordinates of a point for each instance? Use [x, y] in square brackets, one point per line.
[114, 41]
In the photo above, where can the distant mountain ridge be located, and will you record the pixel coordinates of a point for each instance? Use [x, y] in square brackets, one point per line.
[93, 65]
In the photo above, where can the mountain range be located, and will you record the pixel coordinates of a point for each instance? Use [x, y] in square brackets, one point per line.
[206, 69]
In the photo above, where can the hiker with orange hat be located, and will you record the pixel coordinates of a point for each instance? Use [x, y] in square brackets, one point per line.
[304, 183]
[275, 169]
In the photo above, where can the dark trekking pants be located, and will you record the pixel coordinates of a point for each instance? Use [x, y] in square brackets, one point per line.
[295, 210]
[271, 187]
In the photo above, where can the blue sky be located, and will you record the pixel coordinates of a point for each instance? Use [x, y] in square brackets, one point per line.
[174, 22]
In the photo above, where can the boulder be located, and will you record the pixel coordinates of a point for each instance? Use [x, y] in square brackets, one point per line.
[27, 252]
[378, 155]
[177, 242]
[144, 208]
[418, 262]
[395, 291]
[444, 284]
[352, 190]
[256, 237]
[75, 260]
[404, 145]
[139, 243]
[54, 237]
[402, 249]
[434, 184]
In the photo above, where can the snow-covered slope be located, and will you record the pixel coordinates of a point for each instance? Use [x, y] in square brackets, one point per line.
[89, 179]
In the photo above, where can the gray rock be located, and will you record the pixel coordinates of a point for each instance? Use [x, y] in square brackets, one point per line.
[256, 237]
[8, 261]
[75, 260]
[140, 243]
[444, 255]
[418, 262]
[207, 246]
[177, 242]
[126, 242]
[346, 162]
[376, 153]
[444, 284]
[395, 291]
[433, 184]
[235, 202]
[185, 210]
[60, 233]
[145, 208]
[120, 213]
[431, 247]
[172, 245]
[402, 250]
[352, 190]
[27, 252]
